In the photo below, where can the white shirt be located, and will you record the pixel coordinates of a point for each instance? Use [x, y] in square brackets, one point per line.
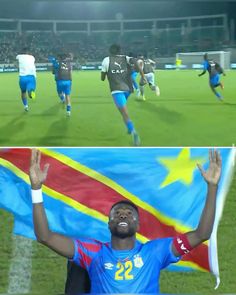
[26, 64]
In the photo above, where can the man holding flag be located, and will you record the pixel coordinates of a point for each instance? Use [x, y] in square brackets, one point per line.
[124, 264]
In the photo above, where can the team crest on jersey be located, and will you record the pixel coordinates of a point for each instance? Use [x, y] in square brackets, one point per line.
[138, 261]
[108, 265]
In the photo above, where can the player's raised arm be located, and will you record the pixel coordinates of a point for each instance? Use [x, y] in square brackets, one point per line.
[152, 62]
[60, 244]
[190, 240]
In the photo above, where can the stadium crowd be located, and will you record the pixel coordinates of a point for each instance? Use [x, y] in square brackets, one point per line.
[88, 49]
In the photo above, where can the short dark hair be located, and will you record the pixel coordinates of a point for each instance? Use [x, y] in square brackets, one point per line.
[115, 49]
[205, 56]
[126, 202]
[25, 49]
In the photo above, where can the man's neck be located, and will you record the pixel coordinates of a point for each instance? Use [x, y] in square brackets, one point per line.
[123, 244]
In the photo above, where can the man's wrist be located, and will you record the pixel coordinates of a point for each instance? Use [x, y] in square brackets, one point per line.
[37, 196]
[36, 186]
[212, 185]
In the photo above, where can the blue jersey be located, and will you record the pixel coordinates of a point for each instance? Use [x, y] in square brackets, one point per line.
[124, 271]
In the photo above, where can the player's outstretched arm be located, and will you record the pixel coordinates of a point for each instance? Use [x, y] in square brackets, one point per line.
[205, 226]
[59, 243]
[202, 73]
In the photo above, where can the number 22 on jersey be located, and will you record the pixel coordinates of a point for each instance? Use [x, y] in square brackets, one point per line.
[123, 271]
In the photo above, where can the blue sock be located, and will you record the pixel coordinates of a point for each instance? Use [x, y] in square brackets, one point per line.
[62, 97]
[130, 127]
[68, 108]
[218, 94]
[135, 84]
[24, 100]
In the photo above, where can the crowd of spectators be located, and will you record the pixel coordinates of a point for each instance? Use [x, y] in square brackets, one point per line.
[42, 45]
[87, 49]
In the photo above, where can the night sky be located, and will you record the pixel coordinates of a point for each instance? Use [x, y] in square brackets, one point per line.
[84, 10]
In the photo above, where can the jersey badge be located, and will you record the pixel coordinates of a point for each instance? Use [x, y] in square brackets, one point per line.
[138, 261]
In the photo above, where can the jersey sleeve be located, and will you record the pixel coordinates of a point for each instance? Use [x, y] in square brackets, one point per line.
[105, 65]
[84, 251]
[55, 64]
[163, 251]
[152, 61]
[129, 59]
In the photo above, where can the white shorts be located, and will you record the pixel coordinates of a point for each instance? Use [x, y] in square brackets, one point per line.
[150, 77]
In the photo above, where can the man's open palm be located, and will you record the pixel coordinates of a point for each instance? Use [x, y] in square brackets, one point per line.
[37, 176]
[212, 174]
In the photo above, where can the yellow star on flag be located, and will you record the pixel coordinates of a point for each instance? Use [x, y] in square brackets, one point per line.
[180, 168]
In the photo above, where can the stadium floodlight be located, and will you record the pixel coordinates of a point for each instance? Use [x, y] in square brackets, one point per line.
[193, 60]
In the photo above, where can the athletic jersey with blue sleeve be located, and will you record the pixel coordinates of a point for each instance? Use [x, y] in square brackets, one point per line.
[212, 67]
[55, 66]
[124, 271]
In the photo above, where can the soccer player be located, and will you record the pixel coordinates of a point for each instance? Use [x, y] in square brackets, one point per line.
[178, 63]
[134, 74]
[55, 67]
[123, 264]
[27, 76]
[64, 79]
[117, 69]
[148, 69]
[214, 70]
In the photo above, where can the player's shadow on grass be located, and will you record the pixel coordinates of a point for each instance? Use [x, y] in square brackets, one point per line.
[52, 111]
[9, 130]
[229, 103]
[92, 100]
[164, 100]
[56, 134]
[164, 114]
[210, 104]
[88, 96]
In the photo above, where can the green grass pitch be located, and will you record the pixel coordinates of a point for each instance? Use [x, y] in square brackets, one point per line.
[186, 114]
[49, 269]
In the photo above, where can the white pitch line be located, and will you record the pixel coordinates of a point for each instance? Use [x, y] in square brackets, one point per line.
[19, 277]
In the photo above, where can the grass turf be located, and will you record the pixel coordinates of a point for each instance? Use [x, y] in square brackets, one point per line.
[186, 114]
[49, 270]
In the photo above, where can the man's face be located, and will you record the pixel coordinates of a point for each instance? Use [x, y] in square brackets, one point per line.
[123, 221]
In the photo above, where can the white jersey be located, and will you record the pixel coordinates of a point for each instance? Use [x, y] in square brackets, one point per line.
[26, 64]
